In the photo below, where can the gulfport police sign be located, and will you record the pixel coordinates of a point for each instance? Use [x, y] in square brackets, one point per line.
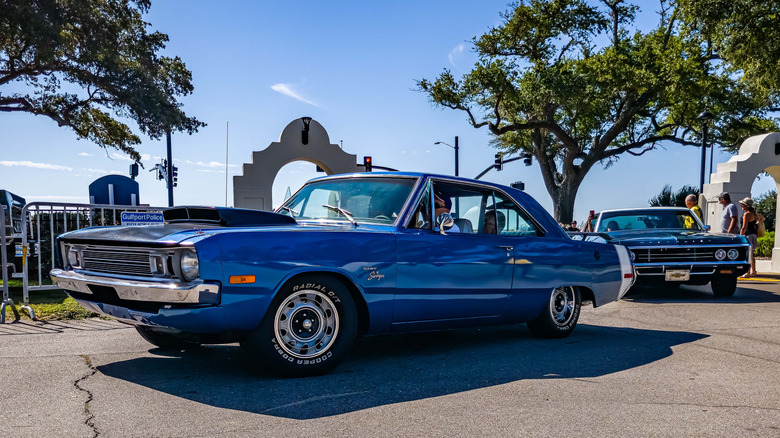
[137, 219]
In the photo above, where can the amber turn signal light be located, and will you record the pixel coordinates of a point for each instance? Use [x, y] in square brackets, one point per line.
[242, 279]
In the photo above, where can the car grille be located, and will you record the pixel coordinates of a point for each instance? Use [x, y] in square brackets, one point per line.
[681, 254]
[123, 261]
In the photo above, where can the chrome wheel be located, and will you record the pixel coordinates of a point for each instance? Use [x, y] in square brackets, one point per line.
[306, 324]
[562, 304]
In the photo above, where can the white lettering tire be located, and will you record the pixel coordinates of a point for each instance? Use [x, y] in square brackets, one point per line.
[308, 329]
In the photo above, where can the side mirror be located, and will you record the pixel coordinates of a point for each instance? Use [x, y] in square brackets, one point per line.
[707, 228]
[444, 222]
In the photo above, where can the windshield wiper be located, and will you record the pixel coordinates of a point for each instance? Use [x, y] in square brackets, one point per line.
[343, 212]
[292, 212]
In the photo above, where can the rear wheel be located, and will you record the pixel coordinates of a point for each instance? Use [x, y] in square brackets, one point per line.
[165, 341]
[724, 285]
[308, 329]
[560, 315]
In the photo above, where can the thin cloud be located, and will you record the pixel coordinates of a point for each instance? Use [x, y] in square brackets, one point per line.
[58, 198]
[35, 165]
[118, 156]
[84, 154]
[287, 90]
[211, 164]
[456, 52]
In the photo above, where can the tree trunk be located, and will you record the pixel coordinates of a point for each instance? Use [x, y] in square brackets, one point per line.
[564, 194]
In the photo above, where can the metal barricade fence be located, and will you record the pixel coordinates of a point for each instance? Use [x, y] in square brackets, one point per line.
[5, 240]
[43, 222]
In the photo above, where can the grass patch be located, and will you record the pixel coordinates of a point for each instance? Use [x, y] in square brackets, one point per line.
[47, 305]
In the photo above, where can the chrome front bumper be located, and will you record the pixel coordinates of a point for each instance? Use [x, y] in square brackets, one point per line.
[195, 292]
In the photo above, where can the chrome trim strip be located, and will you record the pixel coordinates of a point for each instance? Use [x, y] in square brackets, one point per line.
[710, 263]
[725, 245]
[195, 292]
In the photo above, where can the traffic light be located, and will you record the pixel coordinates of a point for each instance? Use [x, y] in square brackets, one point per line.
[367, 163]
[499, 162]
[133, 170]
[175, 172]
[527, 160]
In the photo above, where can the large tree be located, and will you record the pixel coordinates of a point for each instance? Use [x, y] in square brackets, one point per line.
[88, 64]
[576, 83]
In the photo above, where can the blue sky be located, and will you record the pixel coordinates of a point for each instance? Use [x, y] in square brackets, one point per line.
[351, 66]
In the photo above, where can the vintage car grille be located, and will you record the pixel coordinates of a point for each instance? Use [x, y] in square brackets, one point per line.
[123, 261]
[680, 254]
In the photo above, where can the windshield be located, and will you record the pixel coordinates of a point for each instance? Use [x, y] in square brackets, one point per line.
[649, 219]
[372, 200]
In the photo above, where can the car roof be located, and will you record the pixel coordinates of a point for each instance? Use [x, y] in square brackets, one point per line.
[618, 210]
[410, 175]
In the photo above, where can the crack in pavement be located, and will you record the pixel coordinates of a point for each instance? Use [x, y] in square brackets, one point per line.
[90, 420]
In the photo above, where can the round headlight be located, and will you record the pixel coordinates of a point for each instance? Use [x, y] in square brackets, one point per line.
[73, 258]
[189, 265]
[633, 255]
[720, 254]
[733, 254]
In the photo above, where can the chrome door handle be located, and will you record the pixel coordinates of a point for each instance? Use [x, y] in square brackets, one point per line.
[505, 247]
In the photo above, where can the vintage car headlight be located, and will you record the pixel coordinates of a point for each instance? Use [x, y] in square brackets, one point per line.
[189, 265]
[733, 254]
[74, 258]
[720, 254]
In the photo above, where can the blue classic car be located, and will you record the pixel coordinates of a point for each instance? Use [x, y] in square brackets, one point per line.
[347, 255]
[671, 245]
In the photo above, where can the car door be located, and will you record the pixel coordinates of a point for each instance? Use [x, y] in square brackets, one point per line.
[454, 275]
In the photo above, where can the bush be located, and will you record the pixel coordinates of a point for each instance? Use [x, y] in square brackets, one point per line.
[766, 244]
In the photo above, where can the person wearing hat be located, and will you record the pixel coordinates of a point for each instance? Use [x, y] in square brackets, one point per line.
[750, 230]
[443, 204]
[728, 221]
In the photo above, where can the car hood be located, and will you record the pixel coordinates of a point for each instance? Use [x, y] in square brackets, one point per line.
[673, 237]
[174, 234]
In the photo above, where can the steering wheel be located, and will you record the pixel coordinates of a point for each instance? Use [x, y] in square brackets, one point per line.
[382, 217]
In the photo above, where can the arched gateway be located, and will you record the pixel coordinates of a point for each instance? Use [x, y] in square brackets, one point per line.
[736, 176]
[302, 140]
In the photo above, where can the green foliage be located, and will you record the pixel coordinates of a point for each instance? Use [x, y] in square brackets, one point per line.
[765, 245]
[766, 204]
[575, 83]
[87, 63]
[670, 198]
[48, 305]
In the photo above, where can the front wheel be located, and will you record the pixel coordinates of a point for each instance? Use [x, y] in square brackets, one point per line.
[724, 285]
[308, 329]
[559, 316]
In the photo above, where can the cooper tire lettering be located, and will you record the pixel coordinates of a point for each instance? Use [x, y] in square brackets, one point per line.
[311, 349]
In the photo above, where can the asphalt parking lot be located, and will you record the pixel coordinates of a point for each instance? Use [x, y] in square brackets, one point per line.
[658, 363]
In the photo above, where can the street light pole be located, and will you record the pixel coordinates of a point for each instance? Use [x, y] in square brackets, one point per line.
[705, 117]
[169, 170]
[457, 151]
[456, 155]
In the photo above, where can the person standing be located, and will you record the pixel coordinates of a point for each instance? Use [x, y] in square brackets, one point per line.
[750, 230]
[728, 222]
[691, 202]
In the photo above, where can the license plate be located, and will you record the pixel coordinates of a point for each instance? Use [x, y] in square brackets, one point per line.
[678, 275]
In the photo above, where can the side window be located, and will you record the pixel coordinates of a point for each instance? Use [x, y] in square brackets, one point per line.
[465, 203]
[511, 220]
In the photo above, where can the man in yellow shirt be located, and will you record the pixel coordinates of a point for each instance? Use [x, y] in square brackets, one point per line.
[690, 202]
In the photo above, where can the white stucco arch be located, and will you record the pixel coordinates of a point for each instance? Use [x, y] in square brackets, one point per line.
[736, 176]
[253, 189]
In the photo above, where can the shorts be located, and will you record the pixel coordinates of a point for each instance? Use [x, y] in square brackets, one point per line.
[753, 239]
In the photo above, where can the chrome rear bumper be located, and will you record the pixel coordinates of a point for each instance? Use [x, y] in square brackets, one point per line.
[195, 292]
